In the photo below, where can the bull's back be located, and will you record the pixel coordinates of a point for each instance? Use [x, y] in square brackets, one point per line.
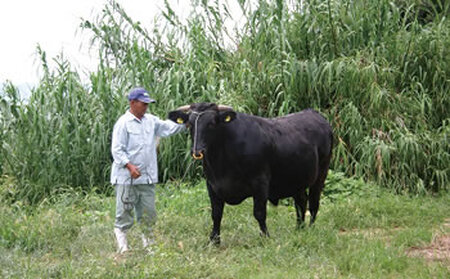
[302, 144]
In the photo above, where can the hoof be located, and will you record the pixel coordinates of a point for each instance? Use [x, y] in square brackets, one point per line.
[215, 240]
[301, 226]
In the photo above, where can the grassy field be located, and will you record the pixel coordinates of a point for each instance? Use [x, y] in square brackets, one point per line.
[362, 231]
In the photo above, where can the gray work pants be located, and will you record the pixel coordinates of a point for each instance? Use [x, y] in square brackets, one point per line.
[139, 199]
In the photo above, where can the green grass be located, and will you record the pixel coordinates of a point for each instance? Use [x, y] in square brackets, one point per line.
[362, 231]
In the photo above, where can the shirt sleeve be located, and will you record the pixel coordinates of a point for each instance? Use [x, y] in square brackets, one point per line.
[119, 144]
[165, 128]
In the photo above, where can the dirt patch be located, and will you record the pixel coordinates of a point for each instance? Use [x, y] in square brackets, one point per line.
[364, 232]
[370, 233]
[438, 250]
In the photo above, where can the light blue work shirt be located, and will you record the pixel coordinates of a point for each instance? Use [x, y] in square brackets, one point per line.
[134, 141]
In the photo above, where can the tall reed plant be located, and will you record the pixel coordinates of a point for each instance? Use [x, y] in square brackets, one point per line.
[376, 69]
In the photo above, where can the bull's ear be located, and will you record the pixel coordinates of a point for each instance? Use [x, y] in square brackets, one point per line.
[227, 116]
[178, 116]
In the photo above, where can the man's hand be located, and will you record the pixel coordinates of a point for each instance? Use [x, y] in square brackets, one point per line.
[134, 171]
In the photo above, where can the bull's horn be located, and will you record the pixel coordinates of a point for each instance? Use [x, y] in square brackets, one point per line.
[184, 108]
[223, 107]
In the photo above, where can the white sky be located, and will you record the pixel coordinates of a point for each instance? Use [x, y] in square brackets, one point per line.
[54, 24]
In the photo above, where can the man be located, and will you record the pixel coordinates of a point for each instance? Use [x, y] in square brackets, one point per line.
[134, 171]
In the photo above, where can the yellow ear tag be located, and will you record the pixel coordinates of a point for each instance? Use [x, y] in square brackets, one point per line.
[228, 118]
[180, 120]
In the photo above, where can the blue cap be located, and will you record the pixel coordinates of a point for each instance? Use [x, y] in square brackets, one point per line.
[140, 94]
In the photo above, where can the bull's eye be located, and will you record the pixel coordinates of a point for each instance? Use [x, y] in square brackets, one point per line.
[228, 118]
[180, 120]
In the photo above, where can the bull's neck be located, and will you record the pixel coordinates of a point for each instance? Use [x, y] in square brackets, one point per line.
[217, 144]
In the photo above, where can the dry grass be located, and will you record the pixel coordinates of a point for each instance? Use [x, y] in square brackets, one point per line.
[437, 250]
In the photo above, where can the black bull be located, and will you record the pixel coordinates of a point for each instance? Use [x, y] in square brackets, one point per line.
[267, 159]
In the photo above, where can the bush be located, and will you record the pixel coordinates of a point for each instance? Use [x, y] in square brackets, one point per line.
[377, 73]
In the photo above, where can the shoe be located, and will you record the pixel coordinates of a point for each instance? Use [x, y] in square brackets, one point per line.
[122, 243]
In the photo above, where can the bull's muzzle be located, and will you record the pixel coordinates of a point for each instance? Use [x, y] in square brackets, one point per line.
[197, 155]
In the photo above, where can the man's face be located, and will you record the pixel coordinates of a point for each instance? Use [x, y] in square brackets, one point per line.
[138, 108]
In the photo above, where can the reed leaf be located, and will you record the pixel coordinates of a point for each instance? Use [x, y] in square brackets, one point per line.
[376, 69]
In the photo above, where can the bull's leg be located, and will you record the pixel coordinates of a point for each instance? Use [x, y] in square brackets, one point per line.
[314, 193]
[314, 201]
[217, 206]
[260, 186]
[300, 207]
[260, 213]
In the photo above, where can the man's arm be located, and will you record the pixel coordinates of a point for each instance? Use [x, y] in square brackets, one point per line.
[119, 151]
[165, 128]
